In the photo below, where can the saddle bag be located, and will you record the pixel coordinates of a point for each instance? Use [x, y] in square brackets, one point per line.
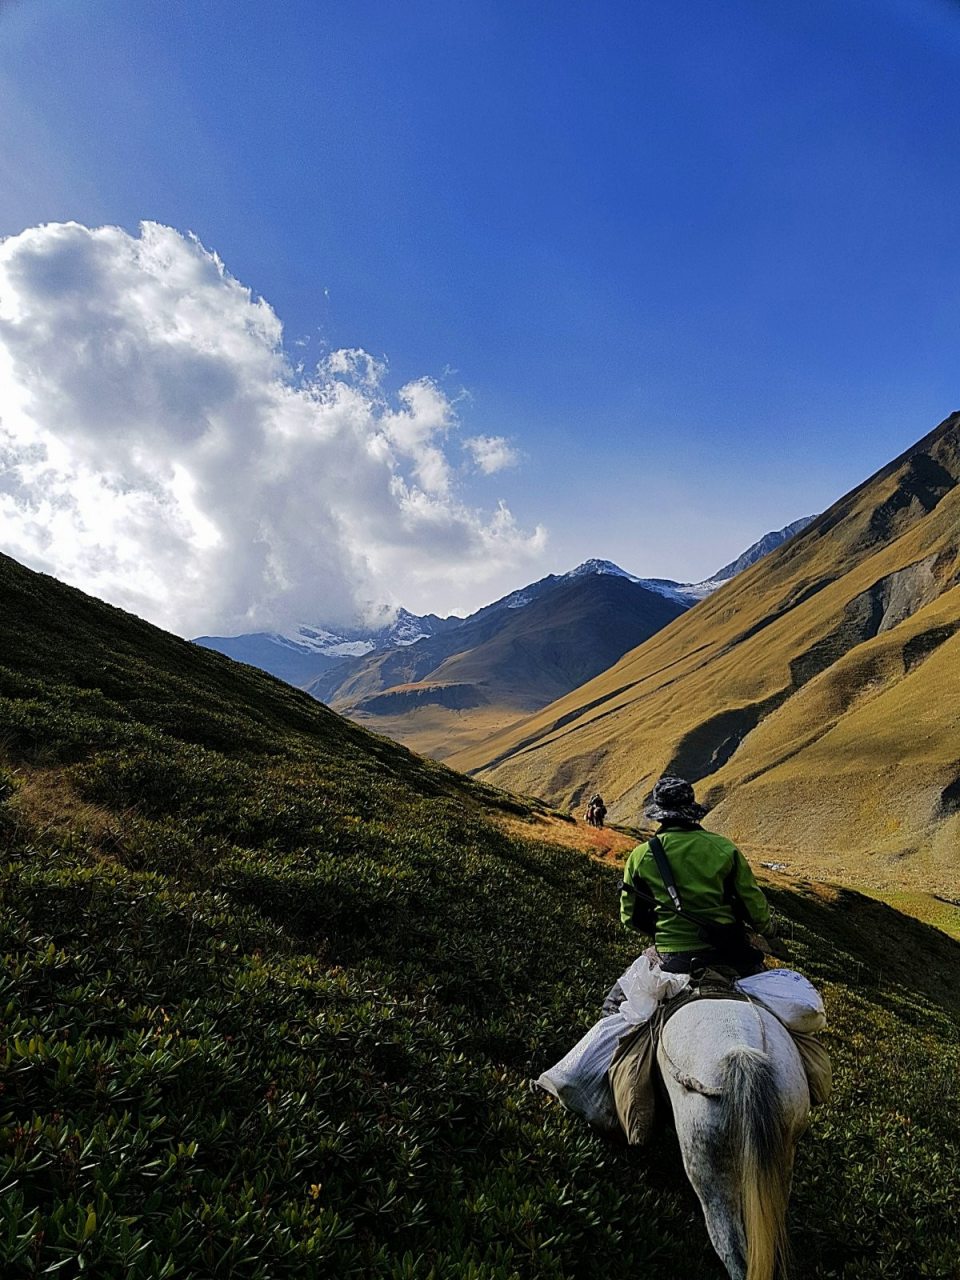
[579, 1079]
[789, 996]
[816, 1063]
[633, 1083]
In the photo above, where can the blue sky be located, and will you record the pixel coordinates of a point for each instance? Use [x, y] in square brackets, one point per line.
[698, 263]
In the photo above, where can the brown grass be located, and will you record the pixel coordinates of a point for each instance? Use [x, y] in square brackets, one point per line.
[46, 806]
[437, 731]
[606, 845]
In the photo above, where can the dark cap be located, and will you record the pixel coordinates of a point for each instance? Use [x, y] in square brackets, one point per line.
[673, 800]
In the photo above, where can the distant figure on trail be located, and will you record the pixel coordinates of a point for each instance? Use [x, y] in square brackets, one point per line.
[692, 890]
[596, 811]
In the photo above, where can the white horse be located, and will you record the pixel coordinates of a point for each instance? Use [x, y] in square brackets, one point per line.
[740, 1101]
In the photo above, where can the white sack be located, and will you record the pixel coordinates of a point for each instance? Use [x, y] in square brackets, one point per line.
[580, 1079]
[645, 985]
[789, 996]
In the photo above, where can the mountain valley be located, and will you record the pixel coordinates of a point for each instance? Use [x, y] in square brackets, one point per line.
[814, 698]
[444, 685]
[273, 988]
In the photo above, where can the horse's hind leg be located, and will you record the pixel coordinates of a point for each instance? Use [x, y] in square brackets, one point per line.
[713, 1176]
[722, 1215]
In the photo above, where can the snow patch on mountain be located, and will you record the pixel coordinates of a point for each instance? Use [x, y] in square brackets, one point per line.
[599, 566]
[692, 592]
[769, 542]
[407, 628]
[662, 586]
[319, 640]
[353, 642]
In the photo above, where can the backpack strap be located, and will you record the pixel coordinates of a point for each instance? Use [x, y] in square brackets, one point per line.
[666, 873]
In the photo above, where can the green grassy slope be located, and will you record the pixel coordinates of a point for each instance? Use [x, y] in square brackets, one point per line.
[271, 989]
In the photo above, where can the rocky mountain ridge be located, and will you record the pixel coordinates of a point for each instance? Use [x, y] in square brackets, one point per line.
[309, 656]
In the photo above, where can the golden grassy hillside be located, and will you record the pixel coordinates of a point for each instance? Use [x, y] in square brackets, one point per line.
[433, 729]
[816, 698]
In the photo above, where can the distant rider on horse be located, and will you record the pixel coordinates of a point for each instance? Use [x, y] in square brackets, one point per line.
[596, 811]
[693, 890]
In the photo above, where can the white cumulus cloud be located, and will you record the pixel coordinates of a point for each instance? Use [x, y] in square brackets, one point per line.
[160, 450]
[491, 453]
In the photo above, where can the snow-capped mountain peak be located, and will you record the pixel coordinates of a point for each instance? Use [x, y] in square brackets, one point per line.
[407, 628]
[353, 642]
[690, 592]
[600, 566]
[661, 586]
[304, 652]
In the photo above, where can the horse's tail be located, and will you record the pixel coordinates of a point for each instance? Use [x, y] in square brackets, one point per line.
[752, 1116]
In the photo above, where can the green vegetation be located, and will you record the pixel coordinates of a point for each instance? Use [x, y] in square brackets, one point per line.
[271, 989]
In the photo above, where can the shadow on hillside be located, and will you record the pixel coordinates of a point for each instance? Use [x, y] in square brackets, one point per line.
[873, 947]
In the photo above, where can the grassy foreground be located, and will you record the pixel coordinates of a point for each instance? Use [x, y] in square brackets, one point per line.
[272, 988]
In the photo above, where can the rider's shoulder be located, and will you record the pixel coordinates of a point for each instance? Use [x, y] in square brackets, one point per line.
[719, 842]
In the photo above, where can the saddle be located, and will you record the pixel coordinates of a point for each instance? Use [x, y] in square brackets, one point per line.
[634, 1075]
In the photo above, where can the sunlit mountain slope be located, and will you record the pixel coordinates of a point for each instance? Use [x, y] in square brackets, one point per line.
[816, 697]
[458, 687]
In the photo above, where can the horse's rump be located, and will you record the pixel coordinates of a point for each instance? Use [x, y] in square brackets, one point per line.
[739, 1095]
[697, 1039]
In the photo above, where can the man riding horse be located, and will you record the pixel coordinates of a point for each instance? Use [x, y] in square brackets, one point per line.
[740, 1080]
[692, 890]
[740, 1086]
[596, 811]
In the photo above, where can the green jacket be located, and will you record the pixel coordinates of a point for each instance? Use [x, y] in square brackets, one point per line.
[709, 871]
